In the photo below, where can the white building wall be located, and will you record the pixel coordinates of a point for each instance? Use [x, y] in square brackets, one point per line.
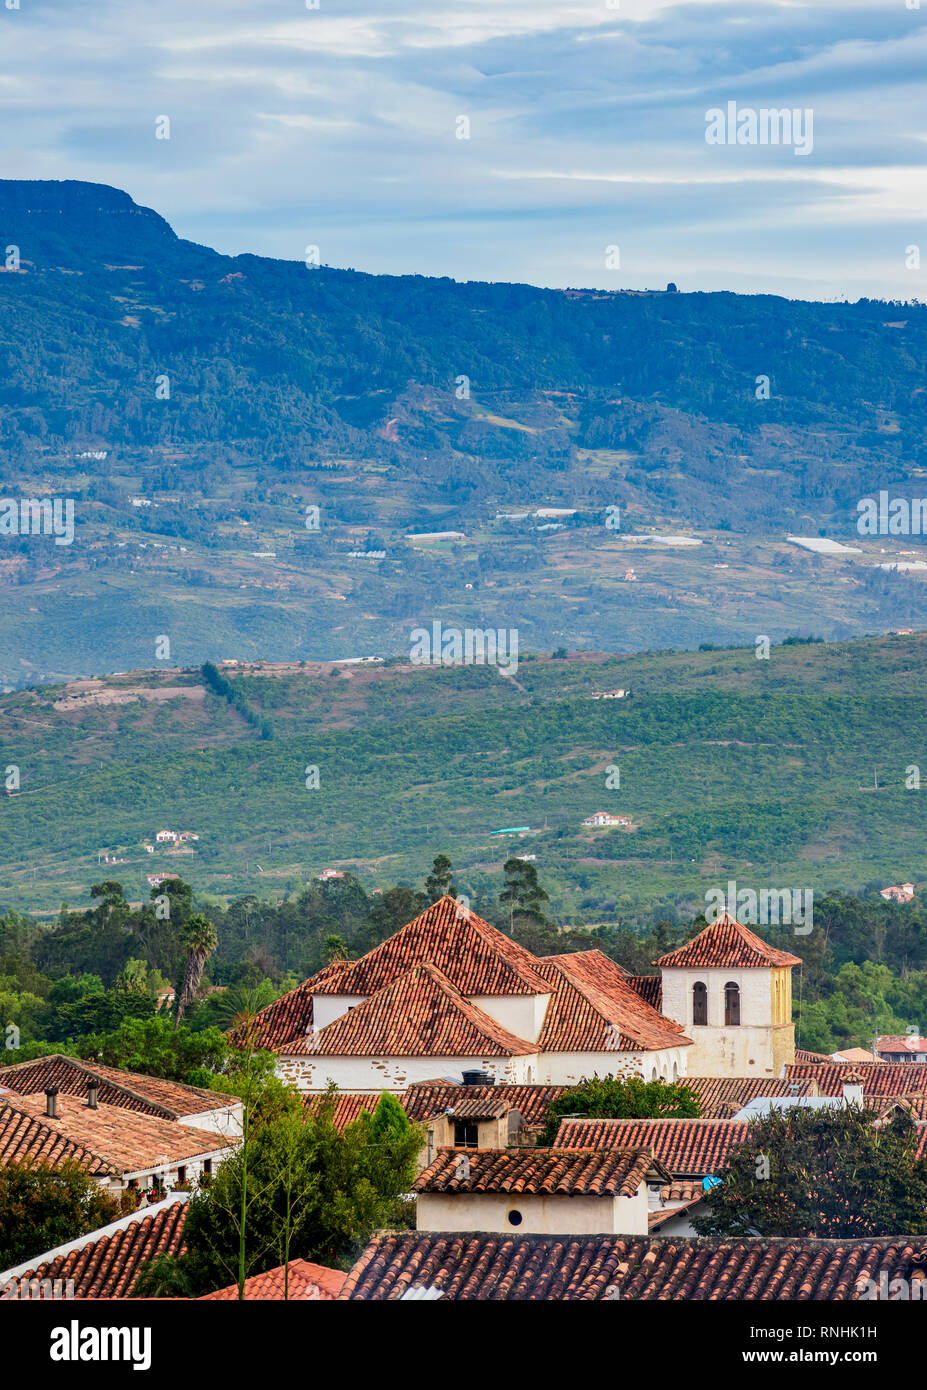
[568, 1068]
[744, 1050]
[228, 1120]
[541, 1215]
[327, 1007]
[521, 1014]
[377, 1074]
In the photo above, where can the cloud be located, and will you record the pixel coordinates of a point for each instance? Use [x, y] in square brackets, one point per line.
[339, 126]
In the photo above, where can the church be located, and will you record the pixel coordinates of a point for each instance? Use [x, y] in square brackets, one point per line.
[451, 997]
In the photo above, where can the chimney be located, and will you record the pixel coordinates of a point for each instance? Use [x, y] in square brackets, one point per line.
[852, 1088]
[93, 1093]
[51, 1102]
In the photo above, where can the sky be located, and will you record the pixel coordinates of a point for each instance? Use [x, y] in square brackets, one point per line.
[557, 142]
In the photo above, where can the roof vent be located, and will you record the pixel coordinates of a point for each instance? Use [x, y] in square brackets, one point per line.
[51, 1102]
[93, 1093]
[478, 1078]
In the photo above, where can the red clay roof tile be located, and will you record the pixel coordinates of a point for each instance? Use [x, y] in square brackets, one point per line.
[123, 1140]
[474, 955]
[593, 1009]
[421, 1014]
[495, 1268]
[558, 1171]
[307, 1281]
[689, 1148]
[108, 1265]
[129, 1090]
[878, 1078]
[726, 942]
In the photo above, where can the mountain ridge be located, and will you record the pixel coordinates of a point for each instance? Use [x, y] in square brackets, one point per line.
[193, 405]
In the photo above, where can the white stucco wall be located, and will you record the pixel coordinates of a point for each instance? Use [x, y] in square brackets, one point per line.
[521, 1014]
[327, 1007]
[376, 1074]
[567, 1068]
[743, 1050]
[168, 1173]
[228, 1120]
[541, 1215]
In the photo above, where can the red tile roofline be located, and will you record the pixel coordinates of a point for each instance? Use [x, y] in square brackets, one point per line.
[123, 1223]
[729, 941]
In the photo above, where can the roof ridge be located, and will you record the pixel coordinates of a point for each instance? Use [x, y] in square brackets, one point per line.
[725, 921]
[484, 1023]
[122, 1223]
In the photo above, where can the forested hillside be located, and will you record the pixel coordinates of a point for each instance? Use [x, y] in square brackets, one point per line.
[193, 406]
[791, 772]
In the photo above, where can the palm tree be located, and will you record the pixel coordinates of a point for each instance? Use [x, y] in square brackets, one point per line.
[200, 940]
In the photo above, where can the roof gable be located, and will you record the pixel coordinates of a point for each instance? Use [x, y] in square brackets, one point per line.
[421, 1014]
[594, 1009]
[475, 957]
[725, 941]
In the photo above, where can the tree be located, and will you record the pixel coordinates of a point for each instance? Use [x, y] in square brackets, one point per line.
[622, 1098]
[439, 883]
[200, 940]
[42, 1206]
[522, 892]
[297, 1188]
[829, 1173]
[155, 1047]
[335, 948]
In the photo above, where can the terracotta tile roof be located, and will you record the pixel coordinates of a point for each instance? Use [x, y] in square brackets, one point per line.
[498, 1268]
[426, 1099]
[921, 1150]
[847, 1054]
[562, 1172]
[124, 1140]
[879, 1078]
[802, 1056]
[657, 1219]
[129, 1090]
[421, 1014]
[722, 1096]
[476, 957]
[108, 1265]
[470, 1107]
[688, 1148]
[915, 1105]
[896, 1043]
[23, 1137]
[348, 1105]
[307, 1281]
[649, 987]
[682, 1190]
[286, 1019]
[593, 1009]
[726, 942]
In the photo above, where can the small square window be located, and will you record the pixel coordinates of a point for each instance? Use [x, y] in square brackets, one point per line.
[466, 1134]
